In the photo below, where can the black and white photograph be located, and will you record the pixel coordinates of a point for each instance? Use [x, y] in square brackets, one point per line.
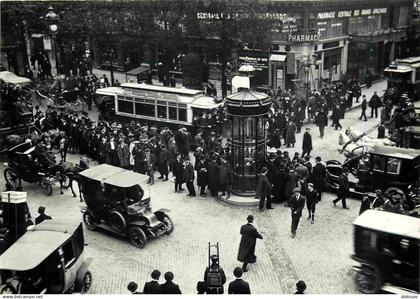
[210, 147]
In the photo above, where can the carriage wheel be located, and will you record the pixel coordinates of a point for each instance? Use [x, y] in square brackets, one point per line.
[367, 282]
[46, 187]
[89, 221]
[137, 237]
[86, 283]
[11, 178]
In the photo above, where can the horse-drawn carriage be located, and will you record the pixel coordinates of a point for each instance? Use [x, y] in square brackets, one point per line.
[15, 105]
[23, 165]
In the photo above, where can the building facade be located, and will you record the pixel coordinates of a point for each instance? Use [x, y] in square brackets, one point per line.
[311, 42]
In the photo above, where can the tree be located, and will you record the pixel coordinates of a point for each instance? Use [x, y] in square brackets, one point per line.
[192, 69]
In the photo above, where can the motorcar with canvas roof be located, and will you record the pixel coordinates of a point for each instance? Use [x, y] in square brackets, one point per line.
[48, 259]
[115, 201]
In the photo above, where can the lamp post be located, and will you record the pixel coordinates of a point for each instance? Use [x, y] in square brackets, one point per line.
[52, 20]
[110, 55]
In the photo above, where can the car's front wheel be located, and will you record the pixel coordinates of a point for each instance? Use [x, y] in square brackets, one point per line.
[86, 283]
[168, 223]
[89, 221]
[137, 237]
[367, 281]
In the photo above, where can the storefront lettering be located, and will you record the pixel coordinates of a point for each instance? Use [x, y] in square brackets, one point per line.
[377, 11]
[303, 38]
[232, 15]
[366, 12]
[326, 15]
[344, 14]
[350, 13]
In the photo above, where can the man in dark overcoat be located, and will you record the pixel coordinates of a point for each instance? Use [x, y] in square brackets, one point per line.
[201, 168]
[343, 188]
[263, 190]
[178, 172]
[297, 203]
[318, 177]
[189, 177]
[246, 253]
[213, 170]
[307, 143]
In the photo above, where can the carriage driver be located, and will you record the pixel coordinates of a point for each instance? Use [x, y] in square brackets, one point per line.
[42, 153]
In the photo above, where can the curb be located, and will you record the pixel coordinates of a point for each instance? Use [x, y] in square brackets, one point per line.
[240, 201]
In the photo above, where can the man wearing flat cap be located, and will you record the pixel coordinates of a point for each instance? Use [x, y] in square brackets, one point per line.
[297, 203]
[246, 253]
[311, 201]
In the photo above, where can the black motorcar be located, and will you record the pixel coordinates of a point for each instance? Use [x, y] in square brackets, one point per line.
[116, 202]
[391, 169]
[386, 252]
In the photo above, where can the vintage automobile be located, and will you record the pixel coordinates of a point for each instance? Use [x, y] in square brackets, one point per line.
[116, 202]
[386, 252]
[47, 259]
[388, 168]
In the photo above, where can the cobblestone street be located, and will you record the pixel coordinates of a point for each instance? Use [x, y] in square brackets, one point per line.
[320, 254]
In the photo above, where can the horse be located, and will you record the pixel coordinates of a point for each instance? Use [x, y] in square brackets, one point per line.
[357, 143]
[68, 170]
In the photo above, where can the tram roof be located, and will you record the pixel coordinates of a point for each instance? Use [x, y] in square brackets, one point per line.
[173, 90]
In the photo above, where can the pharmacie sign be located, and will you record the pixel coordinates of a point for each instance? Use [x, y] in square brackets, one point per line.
[303, 38]
[351, 13]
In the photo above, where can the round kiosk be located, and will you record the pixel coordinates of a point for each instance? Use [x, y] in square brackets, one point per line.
[248, 111]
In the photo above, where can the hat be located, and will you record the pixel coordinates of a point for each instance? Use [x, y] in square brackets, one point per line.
[378, 191]
[310, 184]
[250, 217]
[272, 150]
[264, 169]
[297, 189]
[41, 210]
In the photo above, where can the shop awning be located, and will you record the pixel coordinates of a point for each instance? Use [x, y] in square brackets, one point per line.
[399, 69]
[278, 57]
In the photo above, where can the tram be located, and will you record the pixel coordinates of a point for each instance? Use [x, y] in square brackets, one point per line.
[155, 105]
[404, 75]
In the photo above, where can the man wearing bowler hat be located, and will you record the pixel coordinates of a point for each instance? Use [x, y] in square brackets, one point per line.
[297, 203]
[249, 238]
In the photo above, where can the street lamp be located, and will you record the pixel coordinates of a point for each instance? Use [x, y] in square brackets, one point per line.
[110, 55]
[52, 20]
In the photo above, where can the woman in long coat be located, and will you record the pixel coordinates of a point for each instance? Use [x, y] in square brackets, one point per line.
[123, 154]
[290, 134]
